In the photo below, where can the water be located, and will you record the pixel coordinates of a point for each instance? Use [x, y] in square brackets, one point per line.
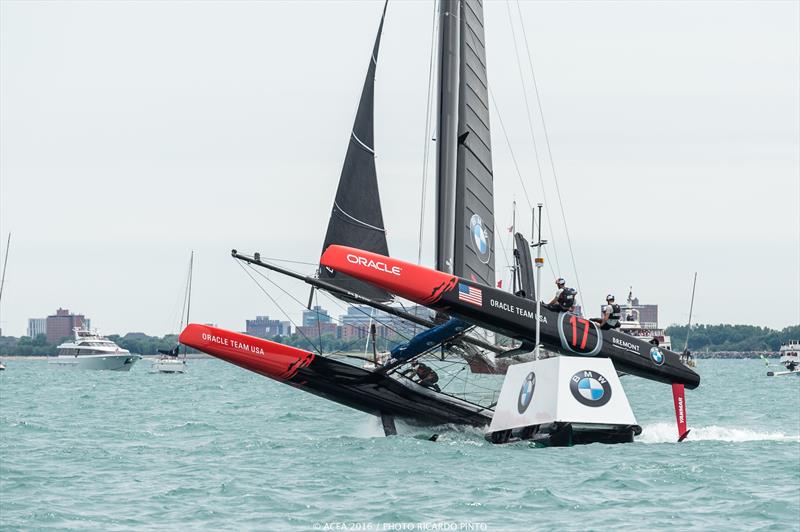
[222, 448]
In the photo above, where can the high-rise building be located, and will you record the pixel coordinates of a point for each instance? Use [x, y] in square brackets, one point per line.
[37, 326]
[263, 327]
[60, 325]
[317, 313]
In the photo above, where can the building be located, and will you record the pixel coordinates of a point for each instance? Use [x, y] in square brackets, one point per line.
[313, 332]
[263, 327]
[316, 313]
[648, 314]
[37, 326]
[60, 325]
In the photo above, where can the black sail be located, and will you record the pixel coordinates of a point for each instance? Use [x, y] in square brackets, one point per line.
[356, 219]
[465, 191]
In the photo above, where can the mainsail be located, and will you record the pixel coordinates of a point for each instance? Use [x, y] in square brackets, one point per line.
[356, 219]
[465, 197]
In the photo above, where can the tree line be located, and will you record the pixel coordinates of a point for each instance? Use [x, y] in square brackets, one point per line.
[714, 338]
[725, 337]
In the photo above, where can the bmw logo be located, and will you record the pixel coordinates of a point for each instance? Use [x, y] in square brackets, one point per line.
[526, 392]
[590, 388]
[480, 239]
[656, 356]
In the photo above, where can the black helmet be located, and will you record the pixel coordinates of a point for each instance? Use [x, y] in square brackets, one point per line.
[560, 281]
[610, 297]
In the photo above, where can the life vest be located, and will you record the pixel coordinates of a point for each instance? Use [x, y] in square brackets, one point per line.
[566, 300]
[616, 313]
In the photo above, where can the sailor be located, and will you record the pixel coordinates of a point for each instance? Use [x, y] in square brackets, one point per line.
[611, 314]
[655, 341]
[425, 375]
[564, 300]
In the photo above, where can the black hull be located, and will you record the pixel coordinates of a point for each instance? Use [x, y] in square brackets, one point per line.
[378, 394]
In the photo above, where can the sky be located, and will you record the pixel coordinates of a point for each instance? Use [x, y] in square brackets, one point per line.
[134, 132]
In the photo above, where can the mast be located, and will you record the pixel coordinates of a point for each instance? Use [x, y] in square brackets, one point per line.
[691, 308]
[3, 278]
[188, 296]
[447, 137]
[465, 190]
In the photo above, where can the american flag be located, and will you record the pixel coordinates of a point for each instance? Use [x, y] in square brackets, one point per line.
[470, 294]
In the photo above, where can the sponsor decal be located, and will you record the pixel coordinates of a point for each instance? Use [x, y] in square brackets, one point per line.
[470, 294]
[590, 388]
[625, 345]
[579, 335]
[525, 313]
[526, 392]
[480, 239]
[656, 356]
[375, 265]
[230, 342]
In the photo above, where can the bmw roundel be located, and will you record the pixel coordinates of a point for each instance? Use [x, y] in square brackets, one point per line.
[656, 356]
[480, 239]
[590, 388]
[526, 392]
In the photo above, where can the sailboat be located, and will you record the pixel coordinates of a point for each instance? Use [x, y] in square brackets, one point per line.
[356, 267]
[171, 361]
[2, 284]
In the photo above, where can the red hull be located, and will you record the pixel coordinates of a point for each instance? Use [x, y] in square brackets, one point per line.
[271, 359]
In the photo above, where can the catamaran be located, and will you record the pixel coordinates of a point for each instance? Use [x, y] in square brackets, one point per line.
[458, 338]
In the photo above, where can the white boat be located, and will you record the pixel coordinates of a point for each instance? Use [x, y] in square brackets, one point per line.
[90, 350]
[790, 359]
[630, 323]
[168, 364]
[171, 361]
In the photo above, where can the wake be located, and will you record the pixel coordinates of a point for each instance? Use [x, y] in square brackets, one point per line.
[666, 433]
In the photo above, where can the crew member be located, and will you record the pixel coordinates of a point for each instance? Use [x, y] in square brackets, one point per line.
[564, 300]
[611, 314]
[425, 375]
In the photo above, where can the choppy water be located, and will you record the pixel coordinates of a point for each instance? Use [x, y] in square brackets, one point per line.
[221, 448]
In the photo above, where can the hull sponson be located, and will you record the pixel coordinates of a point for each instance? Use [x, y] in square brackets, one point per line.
[511, 315]
[368, 391]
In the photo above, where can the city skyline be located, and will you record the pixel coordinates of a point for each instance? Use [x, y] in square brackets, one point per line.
[676, 155]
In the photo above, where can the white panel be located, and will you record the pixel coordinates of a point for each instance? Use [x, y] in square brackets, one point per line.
[542, 407]
[592, 371]
[568, 389]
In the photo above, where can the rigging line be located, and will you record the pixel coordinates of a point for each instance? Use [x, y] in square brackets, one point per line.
[393, 329]
[365, 224]
[550, 153]
[315, 264]
[317, 349]
[330, 298]
[427, 146]
[516, 167]
[533, 136]
[319, 322]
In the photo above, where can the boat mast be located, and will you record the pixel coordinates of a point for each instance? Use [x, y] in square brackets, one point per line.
[3, 278]
[691, 308]
[447, 136]
[188, 295]
[539, 264]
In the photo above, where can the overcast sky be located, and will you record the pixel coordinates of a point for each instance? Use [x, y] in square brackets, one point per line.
[134, 132]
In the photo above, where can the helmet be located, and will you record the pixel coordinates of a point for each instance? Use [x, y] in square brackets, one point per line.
[610, 297]
[560, 281]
